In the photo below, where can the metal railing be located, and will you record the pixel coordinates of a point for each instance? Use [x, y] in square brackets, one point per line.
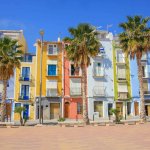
[25, 78]
[52, 92]
[23, 96]
[120, 59]
[99, 91]
[122, 95]
[75, 91]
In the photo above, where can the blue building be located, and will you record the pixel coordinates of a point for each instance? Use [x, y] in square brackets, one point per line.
[135, 84]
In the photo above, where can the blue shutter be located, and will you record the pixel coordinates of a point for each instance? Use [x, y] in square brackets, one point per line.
[52, 70]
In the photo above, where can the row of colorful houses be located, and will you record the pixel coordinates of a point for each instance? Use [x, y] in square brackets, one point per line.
[112, 82]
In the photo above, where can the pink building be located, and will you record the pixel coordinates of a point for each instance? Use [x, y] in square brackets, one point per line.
[72, 90]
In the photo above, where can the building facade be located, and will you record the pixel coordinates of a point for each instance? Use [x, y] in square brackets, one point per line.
[122, 81]
[51, 80]
[100, 80]
[16, 35]
[25, 86]
[72, 89]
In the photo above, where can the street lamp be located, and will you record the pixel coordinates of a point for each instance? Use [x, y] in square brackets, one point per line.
[41, 58]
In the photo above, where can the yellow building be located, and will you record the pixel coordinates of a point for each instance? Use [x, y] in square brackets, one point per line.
[51, 79]
[25, 86]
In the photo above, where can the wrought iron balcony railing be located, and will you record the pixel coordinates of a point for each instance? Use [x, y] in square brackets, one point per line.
[25, 97]
[24, 78]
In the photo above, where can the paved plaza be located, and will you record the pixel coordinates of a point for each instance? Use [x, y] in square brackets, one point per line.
[119, 137]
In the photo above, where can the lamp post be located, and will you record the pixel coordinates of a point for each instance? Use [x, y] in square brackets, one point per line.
[41, 58]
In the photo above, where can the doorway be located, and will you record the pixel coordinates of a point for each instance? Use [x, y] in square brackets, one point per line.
[147, 110]
[119, 107]
[98, 107]
[54, 110]
[67, 109]
[26, 112]
[136, 108]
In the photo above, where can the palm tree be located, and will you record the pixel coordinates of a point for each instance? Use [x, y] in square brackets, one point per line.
[10, 56]
[135, 40]
[83, 45]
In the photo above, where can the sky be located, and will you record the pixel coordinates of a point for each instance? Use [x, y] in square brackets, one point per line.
[56, 16]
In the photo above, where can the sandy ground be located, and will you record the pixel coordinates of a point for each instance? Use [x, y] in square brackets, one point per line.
[120, 137]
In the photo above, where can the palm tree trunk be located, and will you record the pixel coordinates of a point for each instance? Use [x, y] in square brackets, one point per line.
[140, 77]
[84, 96]
[3, 104]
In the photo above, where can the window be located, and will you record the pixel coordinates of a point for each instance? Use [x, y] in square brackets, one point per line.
[52, 70]
[98, 107]
[121, 72]
[74, 70]
[26, 73]
[122, 87]
[98, 69]
[79, 108]
[51, 87]
[110, 106]
[75, 86]
[27, 58]
[25, 92]
[52, 49]
[120, 57]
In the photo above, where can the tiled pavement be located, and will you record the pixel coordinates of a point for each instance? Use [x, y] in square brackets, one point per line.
[120, 137]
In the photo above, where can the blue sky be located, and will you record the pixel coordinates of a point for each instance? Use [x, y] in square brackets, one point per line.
[55, 16]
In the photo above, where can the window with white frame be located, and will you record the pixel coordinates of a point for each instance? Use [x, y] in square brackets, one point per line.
[52, 67]
[122, 88]
[98, 69]
[52, 49]
[75, 86]
[51, 88]
[120, 56]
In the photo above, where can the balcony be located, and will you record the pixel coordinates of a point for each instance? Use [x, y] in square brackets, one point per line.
[25, 78]
[24, 97]
[75, 91]
[26, 58]
[51, 92]
[144, 58]
[146, 75]
[122, 95]
[121, 76]
[99, 91]
[146, 93]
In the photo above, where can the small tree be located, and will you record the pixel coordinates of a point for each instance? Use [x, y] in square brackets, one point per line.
[116, 112]
[19, 110]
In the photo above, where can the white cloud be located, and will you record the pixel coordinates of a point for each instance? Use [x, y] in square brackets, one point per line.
[6, 23]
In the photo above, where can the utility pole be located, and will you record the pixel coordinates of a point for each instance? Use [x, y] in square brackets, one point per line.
[41, 59]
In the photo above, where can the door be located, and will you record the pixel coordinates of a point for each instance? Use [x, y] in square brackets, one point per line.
[54, 110]
[136, 108]
[147, 110]
[67, 110]
[119, 106]
[25, 92]
[98, 107]
[26, 73]
[26, 112]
